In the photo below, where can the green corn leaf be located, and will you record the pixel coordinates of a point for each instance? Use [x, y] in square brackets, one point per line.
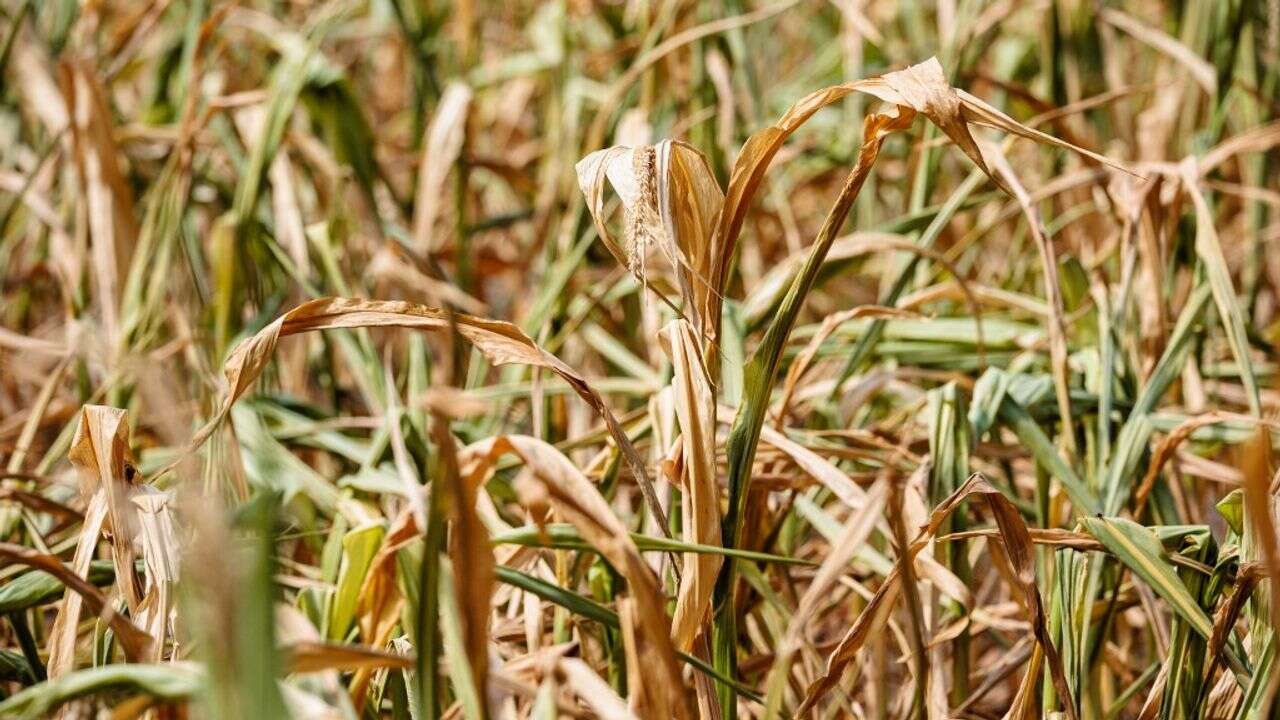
[1140, 550]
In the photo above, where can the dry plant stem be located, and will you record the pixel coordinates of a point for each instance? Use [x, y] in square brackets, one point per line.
[761, 370]
[1259, 499]
[919, 655]
[472, 559]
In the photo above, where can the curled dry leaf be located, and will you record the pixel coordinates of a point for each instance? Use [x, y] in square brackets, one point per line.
[129, 514]
[921, 88]
[924, 89]
[1016, 543]
[501, 342]
[100, 453]
[695, 409]
[135, 643]
[670, 199]
[557, 482]
[161, 557]
[1169, 445]
[135, 515]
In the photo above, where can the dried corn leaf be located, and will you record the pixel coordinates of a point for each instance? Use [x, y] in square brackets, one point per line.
[135, 643]
[1169, 445]
[670, 201]
[472, 557]
[103, 461]
[66, 625]
[593, 690]
[818, 467]
[557, 482]
[113, 229]
[440, 150]
[1017, 546]
[309, 657]
[501, 342]
[695, 409]
[161, 557]
[921, 88]
[829, 325]
[1259, 504]
[852, 537]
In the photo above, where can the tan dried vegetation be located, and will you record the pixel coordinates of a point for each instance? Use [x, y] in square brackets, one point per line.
[418, 359]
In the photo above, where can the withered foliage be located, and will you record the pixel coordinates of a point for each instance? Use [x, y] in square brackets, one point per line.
[639, 359]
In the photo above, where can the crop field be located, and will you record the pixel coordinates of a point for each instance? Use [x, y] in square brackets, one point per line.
[639, 359]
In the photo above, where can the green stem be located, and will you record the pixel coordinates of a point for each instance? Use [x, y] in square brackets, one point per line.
[744, 434]
[428, 641]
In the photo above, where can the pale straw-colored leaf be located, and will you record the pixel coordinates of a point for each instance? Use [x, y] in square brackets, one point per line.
[440, 150]
[500, 342]
[695, 410]
[113, 228]
[1016, 546]
[103, 460]
[556, 482]
[670, 202]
